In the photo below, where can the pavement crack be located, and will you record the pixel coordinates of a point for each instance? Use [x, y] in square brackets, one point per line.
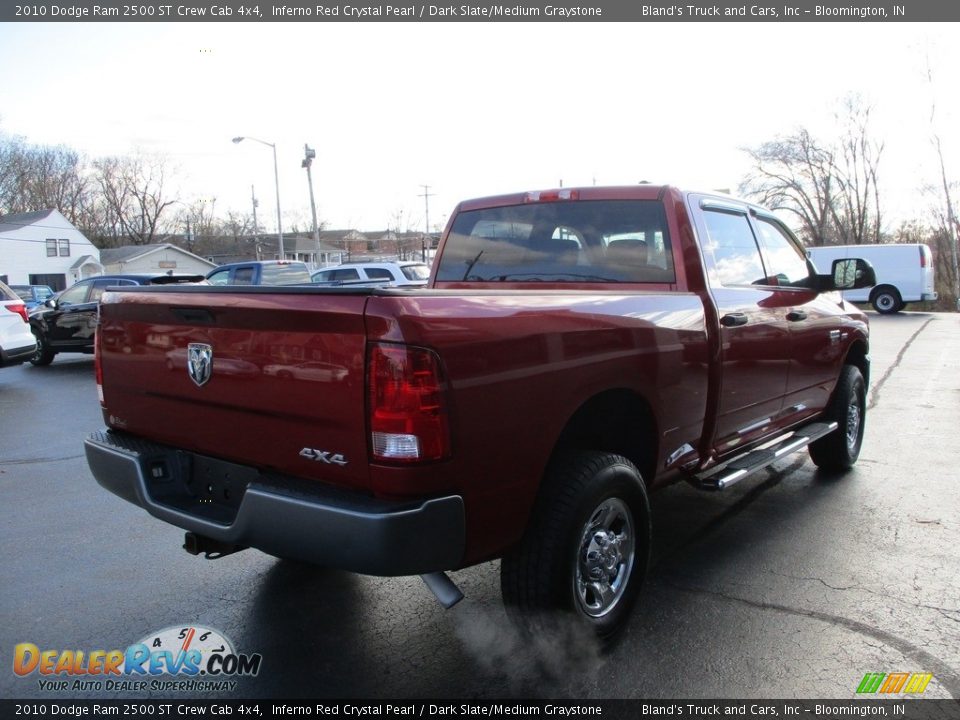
[948, 678]
[946, 612]
[819, 580]
[40, 461]
[875, 392]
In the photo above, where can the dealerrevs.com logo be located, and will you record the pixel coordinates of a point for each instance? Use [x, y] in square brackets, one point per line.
[187, 658]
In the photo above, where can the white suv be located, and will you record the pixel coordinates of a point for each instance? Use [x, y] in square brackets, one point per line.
[17, 343]
[374, 273]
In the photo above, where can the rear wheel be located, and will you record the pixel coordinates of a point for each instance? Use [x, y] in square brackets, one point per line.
[586, 549]
[840, 449]
[42, 355]
[886, 299]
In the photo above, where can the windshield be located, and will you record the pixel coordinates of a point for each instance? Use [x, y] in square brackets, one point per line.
[577, 241]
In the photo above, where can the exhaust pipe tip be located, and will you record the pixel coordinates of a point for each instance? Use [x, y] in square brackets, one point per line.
[443, 588]
[211, 549]
[191, 543]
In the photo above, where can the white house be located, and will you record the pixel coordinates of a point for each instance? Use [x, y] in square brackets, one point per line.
[44, 248]
[163, 257]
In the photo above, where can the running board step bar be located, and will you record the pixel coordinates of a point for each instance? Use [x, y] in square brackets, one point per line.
[740, 467]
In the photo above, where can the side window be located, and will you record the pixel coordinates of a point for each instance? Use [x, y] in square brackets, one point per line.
[100, 286]
[379, 274]
[75, 295]
[735, 252]
[346, 274]
[243, 276]
[322, 277]
[221, 277]
[785, 262]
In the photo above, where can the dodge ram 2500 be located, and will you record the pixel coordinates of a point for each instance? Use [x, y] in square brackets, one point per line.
[574, 350]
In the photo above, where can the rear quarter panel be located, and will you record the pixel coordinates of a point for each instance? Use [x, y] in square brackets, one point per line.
[519, 364]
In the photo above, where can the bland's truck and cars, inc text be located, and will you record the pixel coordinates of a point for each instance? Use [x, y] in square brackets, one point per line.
[573, 350]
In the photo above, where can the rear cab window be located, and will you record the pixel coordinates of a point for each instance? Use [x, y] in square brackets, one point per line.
[283, 274]
[583, 241]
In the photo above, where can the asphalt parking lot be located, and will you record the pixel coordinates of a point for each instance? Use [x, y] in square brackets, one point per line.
[789, 585]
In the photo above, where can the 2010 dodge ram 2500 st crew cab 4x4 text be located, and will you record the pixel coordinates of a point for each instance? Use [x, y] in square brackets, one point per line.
[573, 350]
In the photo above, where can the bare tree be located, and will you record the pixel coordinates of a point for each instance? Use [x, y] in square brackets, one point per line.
[949, 222]
[856, 209]
[133, 195]
[795, 174]
[832, 188]
[36, 177]
[194, 220]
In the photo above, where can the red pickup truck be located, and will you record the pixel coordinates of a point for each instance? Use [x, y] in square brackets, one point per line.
[573, 350]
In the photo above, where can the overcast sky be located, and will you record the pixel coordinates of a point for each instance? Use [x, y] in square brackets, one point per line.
[469, 108]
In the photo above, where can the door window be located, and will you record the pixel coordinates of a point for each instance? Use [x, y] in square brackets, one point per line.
[243, 276]
[379, 274]
[75, 295]
[345, 275]
[100, 287]
[735, 253]
[221, 277]
[785, 263]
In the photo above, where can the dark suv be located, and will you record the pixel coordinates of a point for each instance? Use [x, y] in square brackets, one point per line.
[67, 322]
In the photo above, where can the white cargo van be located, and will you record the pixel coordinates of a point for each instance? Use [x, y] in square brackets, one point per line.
[904, 273]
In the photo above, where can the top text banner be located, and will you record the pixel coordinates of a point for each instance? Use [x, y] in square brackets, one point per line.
[477, 11]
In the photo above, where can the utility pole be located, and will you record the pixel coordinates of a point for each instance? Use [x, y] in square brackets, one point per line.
[309, 154]
[256, 239]
[426, 201]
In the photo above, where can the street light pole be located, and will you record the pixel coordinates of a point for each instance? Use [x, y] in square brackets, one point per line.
[276, 179]
[309, 154]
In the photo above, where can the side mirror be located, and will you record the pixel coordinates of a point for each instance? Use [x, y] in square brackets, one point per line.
[852, 274]
[51, 303]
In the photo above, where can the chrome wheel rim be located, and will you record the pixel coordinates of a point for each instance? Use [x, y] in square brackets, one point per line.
[605, 557]
[38, 348]
[885, 302]
[853, 422]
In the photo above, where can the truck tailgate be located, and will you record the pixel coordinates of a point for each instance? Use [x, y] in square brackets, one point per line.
[285, 388]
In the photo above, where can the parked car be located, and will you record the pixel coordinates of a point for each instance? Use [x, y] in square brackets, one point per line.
[67, 322]
[16, 340]
[904, 273]
[260, 272]
[33, 295]
[409, 273]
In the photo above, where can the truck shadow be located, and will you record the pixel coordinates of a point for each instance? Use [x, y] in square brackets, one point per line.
[325, 633]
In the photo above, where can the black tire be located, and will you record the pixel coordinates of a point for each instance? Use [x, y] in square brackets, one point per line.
[592, 520]
[42, 355]
[840, 449]
[886, 300]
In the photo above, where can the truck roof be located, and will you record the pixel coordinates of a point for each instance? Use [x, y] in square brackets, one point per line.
[611, 192]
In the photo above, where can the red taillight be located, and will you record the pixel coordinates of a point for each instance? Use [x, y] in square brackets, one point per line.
[20, 309]
[923, 258]
[98, 365]
[406, 404]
